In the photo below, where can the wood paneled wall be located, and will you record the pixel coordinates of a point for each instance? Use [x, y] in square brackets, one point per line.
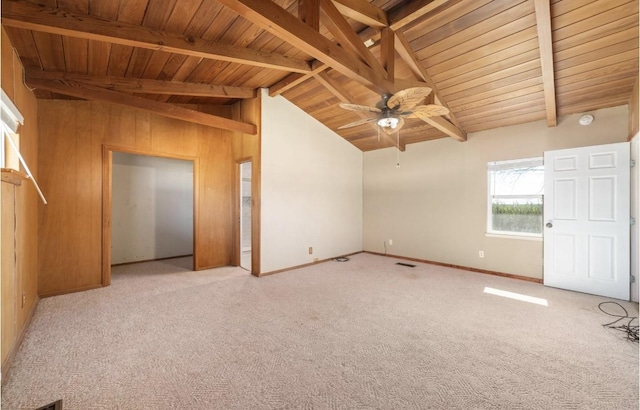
[22, 299]
[73, 134]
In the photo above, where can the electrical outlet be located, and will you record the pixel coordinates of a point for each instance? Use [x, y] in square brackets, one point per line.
[310, 250]
[481, 254]
[390, 241]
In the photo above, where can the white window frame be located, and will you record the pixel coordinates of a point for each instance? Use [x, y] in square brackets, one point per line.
[11, 119]
[503, 165]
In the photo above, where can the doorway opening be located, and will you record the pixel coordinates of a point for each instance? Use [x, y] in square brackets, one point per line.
[148, 209]
[245, 215]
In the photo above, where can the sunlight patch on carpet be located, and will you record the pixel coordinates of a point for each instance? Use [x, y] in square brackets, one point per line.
[516, 296]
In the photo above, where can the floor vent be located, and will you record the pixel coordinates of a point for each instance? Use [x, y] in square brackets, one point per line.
[56, 405]
[405, 264]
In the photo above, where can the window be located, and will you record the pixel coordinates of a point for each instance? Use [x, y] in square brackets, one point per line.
[515, 197]
[10, 144]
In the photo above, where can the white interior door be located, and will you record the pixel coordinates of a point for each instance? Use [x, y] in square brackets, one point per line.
[586, 216]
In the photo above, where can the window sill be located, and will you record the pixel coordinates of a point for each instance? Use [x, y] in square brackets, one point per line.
[13, 176]
[513, 236]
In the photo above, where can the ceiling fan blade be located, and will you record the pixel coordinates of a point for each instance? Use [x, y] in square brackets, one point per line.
[362, 108]
[390, 131]
[426, 111]
[405, 100]
[356, 123]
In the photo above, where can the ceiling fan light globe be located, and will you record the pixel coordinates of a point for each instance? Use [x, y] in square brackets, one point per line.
[388, 122]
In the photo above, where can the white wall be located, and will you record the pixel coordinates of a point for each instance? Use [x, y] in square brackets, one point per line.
[152, 208]
[311, 189]
[434, 206]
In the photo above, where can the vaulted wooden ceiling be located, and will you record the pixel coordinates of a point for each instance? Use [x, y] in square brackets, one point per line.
[492, 63]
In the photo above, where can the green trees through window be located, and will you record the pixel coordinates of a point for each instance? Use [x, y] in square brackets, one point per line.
[515, 197]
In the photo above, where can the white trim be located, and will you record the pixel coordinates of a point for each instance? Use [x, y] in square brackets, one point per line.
[515, 163]
[515, 235]
[11, 116]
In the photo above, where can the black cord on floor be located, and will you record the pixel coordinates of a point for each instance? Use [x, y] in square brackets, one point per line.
[620, 323]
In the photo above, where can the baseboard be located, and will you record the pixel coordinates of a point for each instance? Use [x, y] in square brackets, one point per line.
[306, 264]
[467, 268]
[66, 291]
[150, 260]
[16, 346]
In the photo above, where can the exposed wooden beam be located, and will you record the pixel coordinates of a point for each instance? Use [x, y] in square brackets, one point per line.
[409, 56]
[279, 22]
[145, 86]
[336, 89]
[346, 36]
[44, 19]
[543, 20]
[93, 93]
[447, 128]
[387, 52]
[293, 80]
[363, 11]
[407, 12]
[309, 12]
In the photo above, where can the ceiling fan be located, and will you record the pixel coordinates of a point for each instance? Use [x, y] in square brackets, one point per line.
[393, 108]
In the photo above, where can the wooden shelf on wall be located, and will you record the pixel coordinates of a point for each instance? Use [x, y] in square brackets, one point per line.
[13, 176]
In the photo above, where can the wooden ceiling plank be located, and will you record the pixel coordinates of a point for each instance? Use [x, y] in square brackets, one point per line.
[493, 78]
[586, 11]
[543, 19]
[485, 34]
[99, 51]
[492, 69]
[535, 99]
[594, 89]
[406, 53]
[603, 24]
[563, 86]
[620, 59]
[54, 21]
[145, 86]
[167, 110]
[521, 90]
[473, 24]
[612, 50]
[493, 62]
[495, 87]
[363, 11]
[279, 22]
[607, 93]
[494, 50]
[630, 34]
[343, 32]
[504, 122]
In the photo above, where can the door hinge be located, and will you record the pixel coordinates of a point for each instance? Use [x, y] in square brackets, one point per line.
[632, 163]
[632, 279]
[632, 221]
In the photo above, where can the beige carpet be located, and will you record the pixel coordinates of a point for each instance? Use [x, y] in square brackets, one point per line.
[363, 334]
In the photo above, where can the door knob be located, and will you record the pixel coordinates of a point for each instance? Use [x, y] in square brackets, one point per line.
[549, 225]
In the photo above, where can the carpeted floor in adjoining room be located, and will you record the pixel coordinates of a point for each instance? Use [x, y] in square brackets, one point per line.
[362, 334]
